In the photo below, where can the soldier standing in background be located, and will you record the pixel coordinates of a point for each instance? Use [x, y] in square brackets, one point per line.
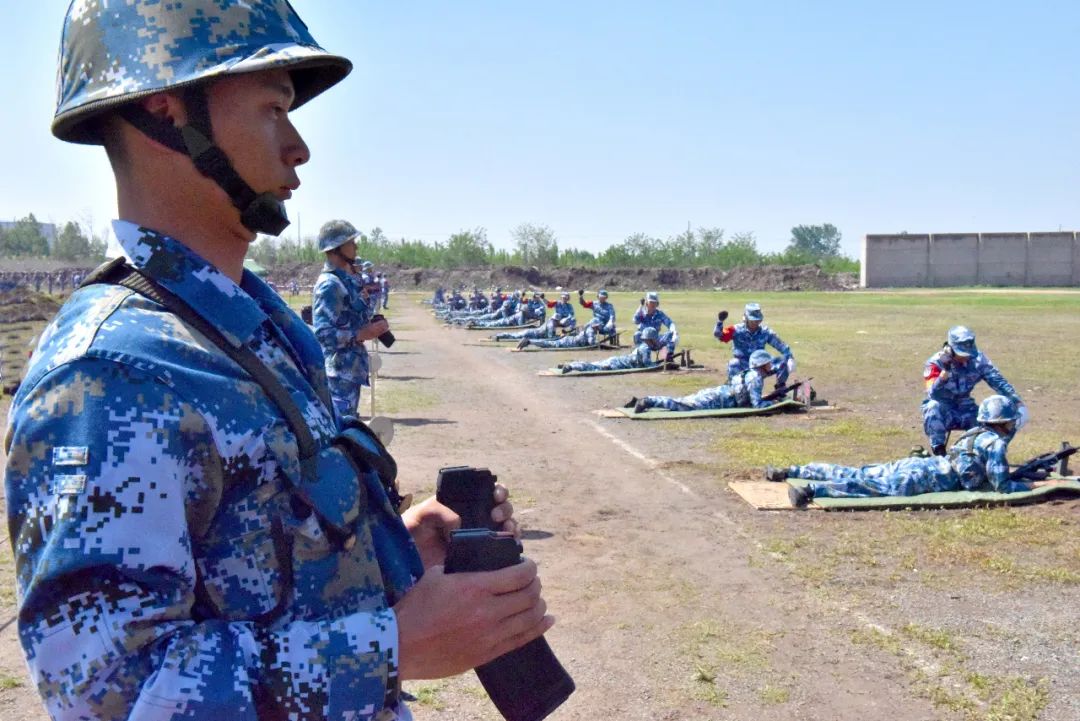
[342, 316]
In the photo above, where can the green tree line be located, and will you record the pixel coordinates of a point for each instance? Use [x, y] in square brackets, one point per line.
[538, 245]
[25, 239]
[534, 244]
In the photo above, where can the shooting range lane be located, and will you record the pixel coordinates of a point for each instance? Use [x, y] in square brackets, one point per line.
[638, 548]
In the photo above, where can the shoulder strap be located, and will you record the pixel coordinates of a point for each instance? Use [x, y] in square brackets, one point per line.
[968, 441]
[118, 272]
[339, 281]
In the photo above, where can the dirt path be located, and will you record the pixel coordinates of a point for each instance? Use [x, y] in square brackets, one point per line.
[662, 611]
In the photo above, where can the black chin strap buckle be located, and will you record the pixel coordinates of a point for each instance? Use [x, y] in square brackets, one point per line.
[265, 214]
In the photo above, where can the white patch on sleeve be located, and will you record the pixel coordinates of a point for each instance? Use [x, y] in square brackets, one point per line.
[69, 485]
[70, 456]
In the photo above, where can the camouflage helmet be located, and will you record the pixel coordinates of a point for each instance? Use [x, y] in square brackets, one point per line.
[601, 293]
[650, 333]
[962, 341]
[652, 297]
[760, 358]
[752, 311]
[565, 295]
[336, 233]
[113, 52]
[997, 409]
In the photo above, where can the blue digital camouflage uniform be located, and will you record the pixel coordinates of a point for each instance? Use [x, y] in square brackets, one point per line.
[979, 458]
[949, 405]
[527, 313]
[585, 338]
[642, 319]
[564, 311]
[478, 301]
[365, 280]
[602, 312]
[338, 313]
[744, 342]
[165, 568]
[505, 310]
[547, 330]
[743, 392]
[640, 357]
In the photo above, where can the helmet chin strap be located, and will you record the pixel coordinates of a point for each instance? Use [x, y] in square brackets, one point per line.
[259, 212]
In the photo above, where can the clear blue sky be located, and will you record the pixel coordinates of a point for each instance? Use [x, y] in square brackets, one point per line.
[602, 119]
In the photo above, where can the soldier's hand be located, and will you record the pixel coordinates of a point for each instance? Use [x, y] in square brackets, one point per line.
[641, 301]
[943, 376]
[430, 524]
[722, 316]
[581, 293]
[450, 623]
[372, 330]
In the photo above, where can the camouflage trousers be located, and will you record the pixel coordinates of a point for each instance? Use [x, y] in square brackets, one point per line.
[905, 477]
[345, 394]
[544, 331]
[501, 322]
[578, 340]
[707, 399]
[940, 417]
[617, 363]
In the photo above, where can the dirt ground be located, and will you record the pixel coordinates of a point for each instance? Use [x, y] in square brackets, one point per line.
[675, 599]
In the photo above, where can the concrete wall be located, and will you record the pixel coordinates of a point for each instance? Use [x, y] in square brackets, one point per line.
[895, 260]
[1003, 258]
[950, 259]
[959, 259]
[1051, 258]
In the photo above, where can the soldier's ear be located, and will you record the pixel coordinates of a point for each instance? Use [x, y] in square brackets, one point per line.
[166, 106]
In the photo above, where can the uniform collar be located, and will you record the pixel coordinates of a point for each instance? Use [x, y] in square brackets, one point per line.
[232, 308]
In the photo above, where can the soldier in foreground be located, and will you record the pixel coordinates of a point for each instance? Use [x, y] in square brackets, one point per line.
[950, 375]
[186, 547]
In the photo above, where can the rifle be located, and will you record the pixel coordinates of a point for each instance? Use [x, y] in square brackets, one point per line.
[1043, 462]
[781, 392]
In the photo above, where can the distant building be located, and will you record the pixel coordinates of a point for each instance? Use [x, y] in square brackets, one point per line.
[47, 229]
